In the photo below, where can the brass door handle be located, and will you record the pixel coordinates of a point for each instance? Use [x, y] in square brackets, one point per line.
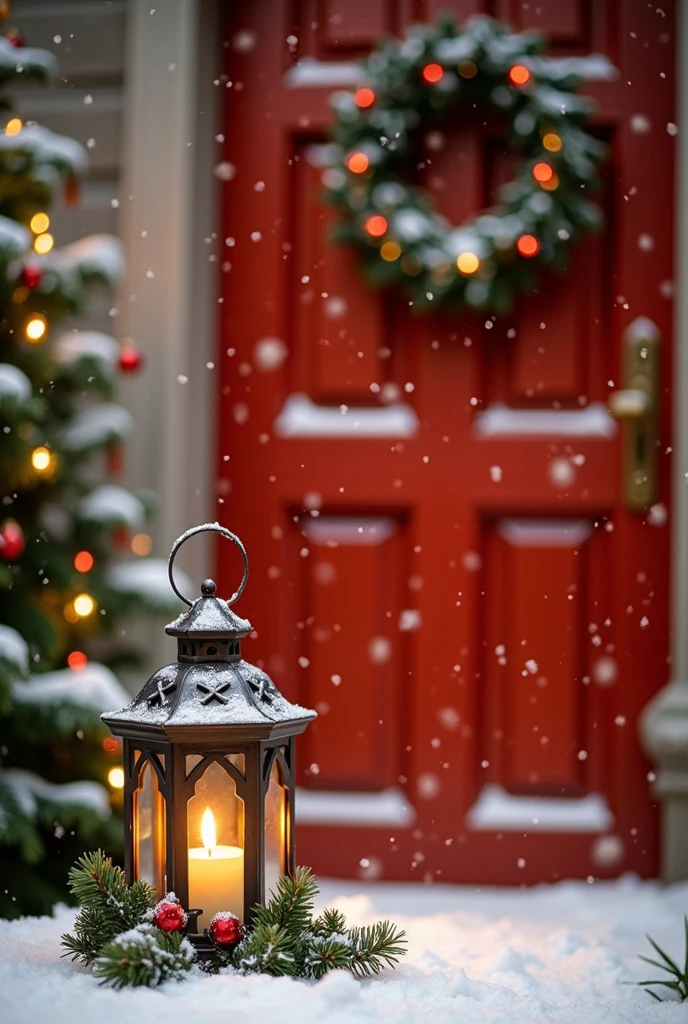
[629, 404]
[636, 406]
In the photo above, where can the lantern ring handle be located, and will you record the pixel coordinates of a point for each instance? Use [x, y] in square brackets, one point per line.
[208, 528]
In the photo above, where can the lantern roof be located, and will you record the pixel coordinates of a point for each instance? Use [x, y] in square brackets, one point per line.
[209, 693]
[210, 685]
[209, 616]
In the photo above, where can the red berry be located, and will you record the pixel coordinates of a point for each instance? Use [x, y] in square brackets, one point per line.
[12, 541]
[31, 276]
[226, 930]
[169, 915]
[130, 359]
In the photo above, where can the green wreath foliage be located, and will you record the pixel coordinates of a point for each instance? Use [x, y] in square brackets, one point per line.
[386, 130]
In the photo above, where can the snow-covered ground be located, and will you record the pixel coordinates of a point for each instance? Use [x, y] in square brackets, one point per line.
[556, 953]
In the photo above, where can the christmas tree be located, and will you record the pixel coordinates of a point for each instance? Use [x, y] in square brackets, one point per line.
[72, 550]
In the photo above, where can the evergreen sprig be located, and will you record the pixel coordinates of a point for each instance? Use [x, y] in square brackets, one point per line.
[144, 956]
[286, 940]
[109, 906]
[114, 932]
[678, 975]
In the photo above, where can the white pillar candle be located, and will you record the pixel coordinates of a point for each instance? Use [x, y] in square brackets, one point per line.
[216, 876]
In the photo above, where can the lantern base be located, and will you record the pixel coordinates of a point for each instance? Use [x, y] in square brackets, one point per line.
[203, 946]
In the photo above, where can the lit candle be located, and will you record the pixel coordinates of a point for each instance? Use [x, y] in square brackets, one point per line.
[216, 875]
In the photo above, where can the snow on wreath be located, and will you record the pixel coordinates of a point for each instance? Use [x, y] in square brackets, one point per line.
[389, 128]
[132, 939]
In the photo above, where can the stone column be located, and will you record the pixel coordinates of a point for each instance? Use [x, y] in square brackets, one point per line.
[664, 723]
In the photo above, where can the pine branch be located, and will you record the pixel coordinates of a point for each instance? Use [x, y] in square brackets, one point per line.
[269, 949]
[328, 953]
[144, 956]
[108, 905]
[330, 922]
[374, 948]
[291, 906]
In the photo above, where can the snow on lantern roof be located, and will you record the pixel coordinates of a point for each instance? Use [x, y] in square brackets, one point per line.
[209, 694]
[209, 616]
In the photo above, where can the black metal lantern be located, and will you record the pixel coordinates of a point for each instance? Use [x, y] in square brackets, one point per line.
[209, 766]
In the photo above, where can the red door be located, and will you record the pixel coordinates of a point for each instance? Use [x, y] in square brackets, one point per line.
[443, 560]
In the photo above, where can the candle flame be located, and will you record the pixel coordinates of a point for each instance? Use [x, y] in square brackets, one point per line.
[208, 831]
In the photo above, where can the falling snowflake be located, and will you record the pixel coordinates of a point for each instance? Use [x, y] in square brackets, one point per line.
[658, 514]
[225, 171]
[561, 472]
[429, 786]
[335, 307]
[471, 561]
[379, 650]
[244, 41]
[607, 851]
[269, 354]
[604, 671]
[646, 243]
[640, 124]
[496, 474]
[409, 620]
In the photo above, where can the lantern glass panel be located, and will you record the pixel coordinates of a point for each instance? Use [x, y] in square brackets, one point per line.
[276, 828]
[149, 829]
[215, 843]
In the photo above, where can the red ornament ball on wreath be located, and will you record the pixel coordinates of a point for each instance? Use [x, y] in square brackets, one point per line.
[12, 541]
[15, 37]
[226, 930]
[130, 359]
[31, 276]
[169, 915]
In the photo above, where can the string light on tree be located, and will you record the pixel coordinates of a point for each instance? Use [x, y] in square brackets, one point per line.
[358, 163]
[432, 73]
[35, 328]
[116, 778]
[467, 262]
[364, 98]
[43, 461]
[528, 246]
[77, 660]
[141, 544]
[552, 184]
[467, 69]
[13, 126]
[390, 251]
[543, 172]
[39, 223]
[83, 561]
[552, 142]
[519, 75]
[84, 605]
[43, 243]
[376, 225]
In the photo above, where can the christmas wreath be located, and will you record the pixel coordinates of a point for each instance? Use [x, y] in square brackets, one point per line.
[130, 938]
[388, 128]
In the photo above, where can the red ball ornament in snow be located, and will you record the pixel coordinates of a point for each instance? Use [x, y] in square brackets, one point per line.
[130, 359]
[31, 276]
[169, 915]
[226, 930]
[12, 541]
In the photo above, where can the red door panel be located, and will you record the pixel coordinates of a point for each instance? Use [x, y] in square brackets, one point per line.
[443, 563]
